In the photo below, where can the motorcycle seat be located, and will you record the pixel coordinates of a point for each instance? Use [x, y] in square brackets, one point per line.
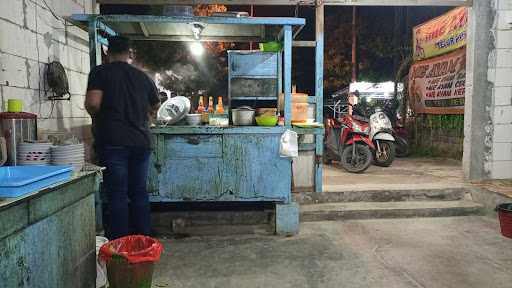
[361, 118]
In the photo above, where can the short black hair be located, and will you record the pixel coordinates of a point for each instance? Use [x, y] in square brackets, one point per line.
[119, 45]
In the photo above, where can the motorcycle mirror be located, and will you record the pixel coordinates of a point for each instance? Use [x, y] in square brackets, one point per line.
[353, 99]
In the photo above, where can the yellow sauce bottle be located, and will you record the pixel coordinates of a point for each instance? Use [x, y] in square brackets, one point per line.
[220, 106]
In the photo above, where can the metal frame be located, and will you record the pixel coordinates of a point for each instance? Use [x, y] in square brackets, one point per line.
[296, 2]
[99, 23]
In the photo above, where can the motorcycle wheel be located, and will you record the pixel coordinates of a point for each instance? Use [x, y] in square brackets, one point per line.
[387, 156]
[361, 163]
[401, 147]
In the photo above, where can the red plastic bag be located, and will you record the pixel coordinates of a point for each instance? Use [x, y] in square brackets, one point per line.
[134, 248]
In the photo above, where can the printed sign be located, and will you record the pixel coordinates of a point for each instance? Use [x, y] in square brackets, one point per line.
[438, 85]
[441, 35]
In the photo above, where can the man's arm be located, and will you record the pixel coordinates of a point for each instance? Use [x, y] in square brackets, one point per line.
[93, 100]
[154, 100]
[94, 95]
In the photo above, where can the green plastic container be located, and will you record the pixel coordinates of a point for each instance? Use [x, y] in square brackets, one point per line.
[272, 46]
[14, 105]
[265, 120]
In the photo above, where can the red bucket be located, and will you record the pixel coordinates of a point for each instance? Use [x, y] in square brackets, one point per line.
[505, 216]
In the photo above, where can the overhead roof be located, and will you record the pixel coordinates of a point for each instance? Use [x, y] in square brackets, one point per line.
[179, 28]
[296, 2]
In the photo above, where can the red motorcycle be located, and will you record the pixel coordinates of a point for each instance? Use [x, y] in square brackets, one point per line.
[347, 139]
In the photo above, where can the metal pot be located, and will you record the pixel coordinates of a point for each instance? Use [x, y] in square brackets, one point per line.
[243, 116]
[17, 128]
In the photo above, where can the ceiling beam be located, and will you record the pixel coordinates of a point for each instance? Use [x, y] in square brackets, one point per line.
[295, 2]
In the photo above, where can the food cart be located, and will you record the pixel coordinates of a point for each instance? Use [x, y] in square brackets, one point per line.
[219, 164]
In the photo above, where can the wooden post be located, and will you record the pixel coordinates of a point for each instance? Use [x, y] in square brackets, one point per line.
[354, 44]
[288, 75]
[252, 15]
[319, 93]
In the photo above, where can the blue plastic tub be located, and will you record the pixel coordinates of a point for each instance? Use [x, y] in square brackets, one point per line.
[16, 181]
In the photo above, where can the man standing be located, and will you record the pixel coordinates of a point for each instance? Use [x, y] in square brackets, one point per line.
[119, 98]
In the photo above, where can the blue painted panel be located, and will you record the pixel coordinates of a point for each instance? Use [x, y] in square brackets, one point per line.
[249, 169]
[248, 64]
[194, 179]
[319, 92]
[52, 252]
[185, 19]
[193, 146]
[253, 169]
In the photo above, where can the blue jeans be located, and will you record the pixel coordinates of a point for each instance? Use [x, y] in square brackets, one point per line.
[125, 181]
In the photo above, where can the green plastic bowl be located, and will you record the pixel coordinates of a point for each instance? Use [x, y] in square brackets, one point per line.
[265, 120]
[272, 46]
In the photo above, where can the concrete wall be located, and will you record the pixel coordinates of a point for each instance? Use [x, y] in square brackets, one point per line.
[488, 118]
[500, 78]
[32, 34]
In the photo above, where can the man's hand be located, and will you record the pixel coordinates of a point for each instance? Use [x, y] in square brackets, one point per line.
[93, 100]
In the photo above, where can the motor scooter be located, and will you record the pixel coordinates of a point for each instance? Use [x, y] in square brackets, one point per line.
[399, 131]
[381, 135]
[347, 139]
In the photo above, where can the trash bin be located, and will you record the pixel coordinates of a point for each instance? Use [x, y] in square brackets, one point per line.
[505, 217]
[130, 261]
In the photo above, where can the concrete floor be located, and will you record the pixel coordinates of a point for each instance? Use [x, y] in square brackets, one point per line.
[502, 187]
[405, 173]
[462, 252]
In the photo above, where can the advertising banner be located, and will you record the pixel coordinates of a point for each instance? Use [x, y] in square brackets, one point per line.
[440, 35]
[437, 85]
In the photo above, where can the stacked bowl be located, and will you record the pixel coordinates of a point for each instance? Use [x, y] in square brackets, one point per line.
[36, 153]
[71, 154]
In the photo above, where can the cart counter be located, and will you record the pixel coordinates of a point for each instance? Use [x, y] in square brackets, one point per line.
[219, 164]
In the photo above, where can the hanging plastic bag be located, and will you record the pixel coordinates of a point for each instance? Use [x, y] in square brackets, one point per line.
[135, 249]
[289, 144]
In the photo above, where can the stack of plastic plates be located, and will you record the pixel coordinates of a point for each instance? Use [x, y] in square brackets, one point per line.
[33, 153]
[72, 154]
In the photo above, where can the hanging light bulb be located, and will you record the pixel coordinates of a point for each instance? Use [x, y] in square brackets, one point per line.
[196, 48]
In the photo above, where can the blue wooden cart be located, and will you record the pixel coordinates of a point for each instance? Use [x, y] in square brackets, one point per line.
[235, 164]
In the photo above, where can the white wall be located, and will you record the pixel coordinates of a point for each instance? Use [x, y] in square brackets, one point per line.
[30, 37]
[500, 76]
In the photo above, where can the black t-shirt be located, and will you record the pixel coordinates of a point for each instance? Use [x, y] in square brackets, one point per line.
[128, 94]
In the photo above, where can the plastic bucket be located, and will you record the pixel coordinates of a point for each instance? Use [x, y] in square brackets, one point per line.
[505, 216]
[122, 274]
[14, 105]
[130, 261]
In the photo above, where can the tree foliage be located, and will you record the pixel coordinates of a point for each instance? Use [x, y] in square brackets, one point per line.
[375, 51]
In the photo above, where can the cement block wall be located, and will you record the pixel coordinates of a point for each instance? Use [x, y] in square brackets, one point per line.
[500, 78]
[32, 34]
[488, 121]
